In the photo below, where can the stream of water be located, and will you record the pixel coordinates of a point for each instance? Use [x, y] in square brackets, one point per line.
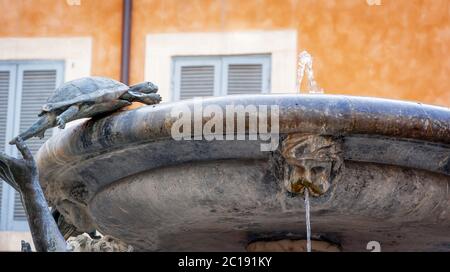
[308, 221]
[305, 65]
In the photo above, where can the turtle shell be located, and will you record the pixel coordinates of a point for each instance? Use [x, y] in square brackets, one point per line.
[84, 90]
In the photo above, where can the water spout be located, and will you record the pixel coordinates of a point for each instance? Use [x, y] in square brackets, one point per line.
[305, 65]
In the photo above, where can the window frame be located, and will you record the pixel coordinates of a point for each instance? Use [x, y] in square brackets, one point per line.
[220, 63]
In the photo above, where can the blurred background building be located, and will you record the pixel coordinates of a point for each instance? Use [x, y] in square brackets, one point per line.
[383, 48]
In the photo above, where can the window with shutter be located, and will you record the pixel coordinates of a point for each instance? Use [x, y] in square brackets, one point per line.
[220, 75]
[34, 83]
[7, 82]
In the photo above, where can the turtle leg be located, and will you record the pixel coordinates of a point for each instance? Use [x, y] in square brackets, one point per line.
[144, 87]
[67, 116]
[38, 129]
[149, 99]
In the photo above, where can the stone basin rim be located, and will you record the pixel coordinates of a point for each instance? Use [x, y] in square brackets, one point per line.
[323, 114]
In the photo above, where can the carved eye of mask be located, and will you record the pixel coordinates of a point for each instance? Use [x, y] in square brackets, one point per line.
[317, 173]
[319, 177]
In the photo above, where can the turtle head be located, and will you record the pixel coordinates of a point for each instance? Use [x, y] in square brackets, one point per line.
[144, 87]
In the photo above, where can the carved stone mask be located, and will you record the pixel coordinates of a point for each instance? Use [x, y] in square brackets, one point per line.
[313, 161]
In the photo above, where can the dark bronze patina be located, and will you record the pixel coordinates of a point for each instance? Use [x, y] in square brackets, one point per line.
[382, 173]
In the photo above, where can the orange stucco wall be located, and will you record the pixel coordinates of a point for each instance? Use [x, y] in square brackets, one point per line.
[398, 49]
[99, 19]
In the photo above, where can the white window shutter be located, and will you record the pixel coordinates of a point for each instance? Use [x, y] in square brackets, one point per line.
[4, 90]
[37, 85]
[195, 77]
[246, 74]
[18, 212]
[245, 79]
[196, 81]
[1, 198]
[5, 84]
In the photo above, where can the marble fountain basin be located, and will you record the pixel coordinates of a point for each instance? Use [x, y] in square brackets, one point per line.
[125, 176]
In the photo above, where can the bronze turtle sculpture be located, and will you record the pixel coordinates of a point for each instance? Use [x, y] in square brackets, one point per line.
[87, 97]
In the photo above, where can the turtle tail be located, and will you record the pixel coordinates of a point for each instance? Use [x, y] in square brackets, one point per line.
[46, 121]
